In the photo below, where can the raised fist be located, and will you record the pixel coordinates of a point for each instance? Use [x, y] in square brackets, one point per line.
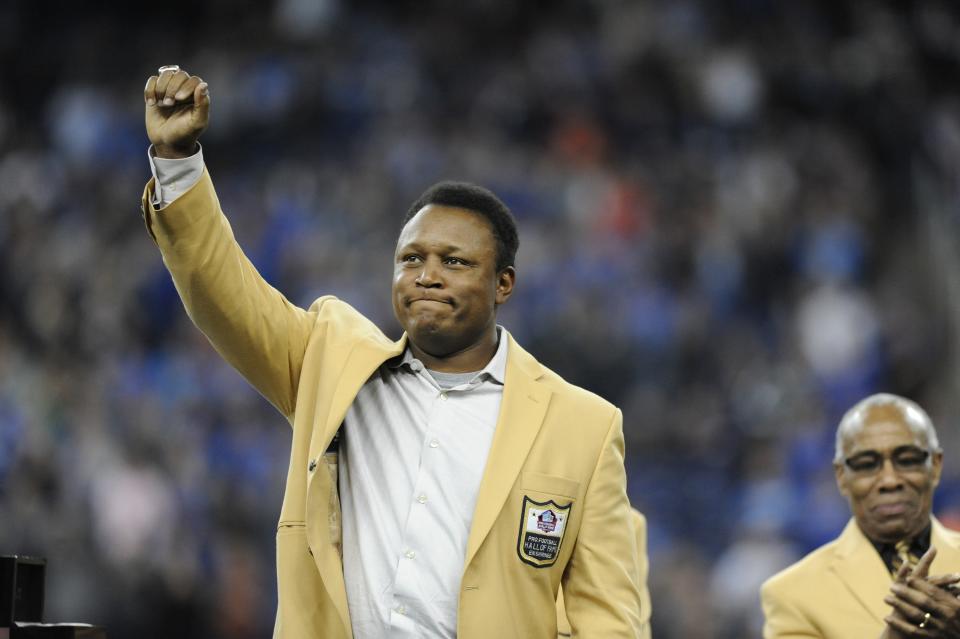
[177, 111]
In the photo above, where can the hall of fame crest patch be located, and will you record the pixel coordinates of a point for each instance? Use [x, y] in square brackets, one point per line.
[542, 526]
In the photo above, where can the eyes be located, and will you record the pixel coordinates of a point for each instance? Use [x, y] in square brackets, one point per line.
[905, 459]
[413, 259]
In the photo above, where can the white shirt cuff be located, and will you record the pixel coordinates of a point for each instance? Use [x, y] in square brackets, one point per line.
[173, 178]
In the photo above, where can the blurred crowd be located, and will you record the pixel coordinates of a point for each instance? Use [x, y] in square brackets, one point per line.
[736, 219]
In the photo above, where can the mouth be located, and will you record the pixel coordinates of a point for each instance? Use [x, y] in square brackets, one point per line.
[428, 300]
[894, 509]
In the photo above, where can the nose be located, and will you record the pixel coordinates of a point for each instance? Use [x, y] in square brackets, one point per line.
[429, 276]
[889, 477]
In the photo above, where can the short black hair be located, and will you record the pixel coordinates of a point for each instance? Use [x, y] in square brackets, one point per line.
[476, 199]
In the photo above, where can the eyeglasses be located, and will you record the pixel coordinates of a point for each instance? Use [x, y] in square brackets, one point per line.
[905, 459]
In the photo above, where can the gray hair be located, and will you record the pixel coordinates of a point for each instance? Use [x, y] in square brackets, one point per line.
[914, 416]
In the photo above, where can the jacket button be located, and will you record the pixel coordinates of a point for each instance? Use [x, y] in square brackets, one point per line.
[312, 466]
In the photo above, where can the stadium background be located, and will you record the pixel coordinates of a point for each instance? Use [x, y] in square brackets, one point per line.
[736, 218]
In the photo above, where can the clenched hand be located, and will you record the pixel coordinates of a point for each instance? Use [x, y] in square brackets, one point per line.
[177, 111]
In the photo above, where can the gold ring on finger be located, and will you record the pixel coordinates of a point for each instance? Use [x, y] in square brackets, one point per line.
[173, 68]
[926, 618]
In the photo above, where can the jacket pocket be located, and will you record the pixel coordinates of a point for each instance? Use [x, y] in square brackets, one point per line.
[292, 539]
[550, 485]
[334, 524]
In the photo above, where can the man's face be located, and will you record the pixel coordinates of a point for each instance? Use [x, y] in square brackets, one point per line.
[445, 284]
[888, 476]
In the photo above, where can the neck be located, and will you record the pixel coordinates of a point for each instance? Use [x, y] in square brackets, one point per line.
[918, 530]
[466, 360]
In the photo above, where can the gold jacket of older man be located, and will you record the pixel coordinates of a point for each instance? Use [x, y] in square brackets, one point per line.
[837, 591]
[553, 443]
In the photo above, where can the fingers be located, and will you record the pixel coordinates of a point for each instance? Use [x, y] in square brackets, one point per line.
[168, 84]
[922, 569]
[930, 597]
[149, 91]
[201, 98]
[909, 608]
[910, 619]
[918, 597]
[902, 572]
[906, 628]
[164, 80]
[185, 89]
[945, 581]
[171, 88]
[932, 591]
[177, 80]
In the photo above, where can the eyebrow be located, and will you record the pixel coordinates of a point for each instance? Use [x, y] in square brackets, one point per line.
[416, 246]
[898, 449]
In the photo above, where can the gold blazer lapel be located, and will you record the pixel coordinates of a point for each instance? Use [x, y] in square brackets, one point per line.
[522, 410]
[858, 564]
[948, 553]
[357, 367]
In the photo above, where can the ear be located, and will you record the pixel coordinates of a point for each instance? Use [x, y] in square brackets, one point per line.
[505, 282]
[936, 467]
[839, 472]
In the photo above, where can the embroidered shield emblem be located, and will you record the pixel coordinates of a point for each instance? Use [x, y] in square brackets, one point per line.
[542, 526]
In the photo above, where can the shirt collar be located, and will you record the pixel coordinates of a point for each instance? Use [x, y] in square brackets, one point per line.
[496, 368]
[918, 546]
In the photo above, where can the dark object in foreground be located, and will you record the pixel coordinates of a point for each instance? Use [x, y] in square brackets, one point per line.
[30, 630]
[21, 603]
[21, 589]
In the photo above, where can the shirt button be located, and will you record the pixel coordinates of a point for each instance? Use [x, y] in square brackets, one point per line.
[443, 397]
[434, 443]
[422, 499]
[400, 610]
[409, 554]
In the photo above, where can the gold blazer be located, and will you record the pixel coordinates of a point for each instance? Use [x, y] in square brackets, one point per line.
[837, 591]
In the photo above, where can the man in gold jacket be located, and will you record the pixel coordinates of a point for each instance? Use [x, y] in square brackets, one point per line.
[873, 580]
[548, 505]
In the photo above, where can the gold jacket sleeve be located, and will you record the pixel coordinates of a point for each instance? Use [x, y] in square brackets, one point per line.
[604, 593]
[252, 325]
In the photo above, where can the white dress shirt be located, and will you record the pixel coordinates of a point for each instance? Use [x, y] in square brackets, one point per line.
[412, 454]
[173, 178]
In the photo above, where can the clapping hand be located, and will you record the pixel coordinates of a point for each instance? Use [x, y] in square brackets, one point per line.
[923, 606]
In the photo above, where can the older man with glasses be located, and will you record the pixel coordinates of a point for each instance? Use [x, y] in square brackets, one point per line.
[875, 579]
